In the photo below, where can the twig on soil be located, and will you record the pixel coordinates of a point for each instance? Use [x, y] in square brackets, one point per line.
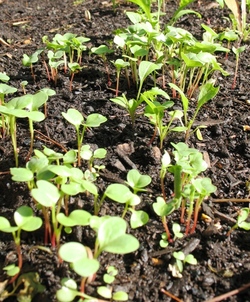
[170, 295]
[4, 43]
[45, 137]
[6, 172]
[229, 294]
[232, 200]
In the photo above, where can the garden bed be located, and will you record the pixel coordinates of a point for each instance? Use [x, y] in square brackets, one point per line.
[222, 261]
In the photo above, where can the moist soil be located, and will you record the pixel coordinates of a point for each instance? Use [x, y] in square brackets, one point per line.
[223, 261]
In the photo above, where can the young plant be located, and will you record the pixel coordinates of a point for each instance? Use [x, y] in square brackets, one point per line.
[87, 154]
[119, 64]
[102, 51]
[237, 52]
[155, 111]
[122, 194]
[130, 105]
[74, 68]
[196, 192]
[189, 164]
[241, 221]
[176, 228]
[12, 110]
[84, 263]
[164, 209]
[107, 291]
[207, 92]
[180, 260]
[239, 17]
[25, 221]
[30, 60]
[75, 118]
[55, 60]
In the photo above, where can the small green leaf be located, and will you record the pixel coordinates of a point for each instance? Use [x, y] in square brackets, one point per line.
[46, 193]
[72, 251]
[104, 292]
[120, 296]
[179, 255]
[21, 174]
[11, 270]
[138, 219]
[190, 259]
[94, 120]
[74, 117]
[117, 242]
[146, 68]
[118, 192]
[68, 292]
[137, 181]
[76, 217]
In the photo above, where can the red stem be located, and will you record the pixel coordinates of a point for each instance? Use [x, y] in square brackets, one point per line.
[20, 263]
[164, 221]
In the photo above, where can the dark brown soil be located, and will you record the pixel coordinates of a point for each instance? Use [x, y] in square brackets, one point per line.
[223, 262]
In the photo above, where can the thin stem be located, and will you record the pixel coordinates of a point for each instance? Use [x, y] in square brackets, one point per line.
[164, 222]
[31, 139]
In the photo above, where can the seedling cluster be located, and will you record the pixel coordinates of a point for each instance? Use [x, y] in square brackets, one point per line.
[147, 50]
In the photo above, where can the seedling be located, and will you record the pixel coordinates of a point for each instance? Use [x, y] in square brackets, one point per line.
[55, 60]
[145, 69]
[165, 162]
[30, 60]
[181, 260]
[84, 263]
[130, 105]
[25, 221]
[25, 106]
[196, 192]
[107, 240]
[237, 52]
[75, 118]
[241, 221]
[74, 68]
[23, 85]
[122, 194]
[155, 111]
[137, 181]
[164, 209]
[107, 291]
[189, 164]
[119, 64]
[102, 51]
[87, 154]
[176, 228]
[207, 92]
[13, 109]
[48, 195]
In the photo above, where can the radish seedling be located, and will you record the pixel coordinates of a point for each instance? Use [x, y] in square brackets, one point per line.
[25, 221]
[75, 118]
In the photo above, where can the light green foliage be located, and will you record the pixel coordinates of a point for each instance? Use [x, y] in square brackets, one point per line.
[113, 242]
[24, 220]
[180, 260]
[241, 220]
[76, 254]
[156, 111]
[74, 117]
